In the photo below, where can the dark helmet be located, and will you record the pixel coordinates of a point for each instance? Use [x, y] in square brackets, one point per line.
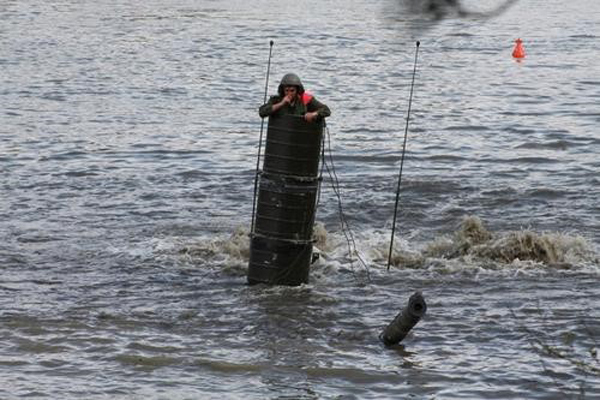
[290, 80]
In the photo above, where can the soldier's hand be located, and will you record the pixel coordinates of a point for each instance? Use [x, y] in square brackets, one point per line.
[311, 116]
[288, 98]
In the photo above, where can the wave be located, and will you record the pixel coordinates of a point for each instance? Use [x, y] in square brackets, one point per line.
[473, 242]
[472, 247]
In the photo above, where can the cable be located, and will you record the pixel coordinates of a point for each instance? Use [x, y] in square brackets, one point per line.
[346, 230]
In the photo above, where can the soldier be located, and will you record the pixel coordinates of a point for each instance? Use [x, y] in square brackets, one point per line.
[292, 99]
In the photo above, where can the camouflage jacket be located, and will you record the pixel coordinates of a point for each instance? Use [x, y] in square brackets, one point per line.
[298, 108]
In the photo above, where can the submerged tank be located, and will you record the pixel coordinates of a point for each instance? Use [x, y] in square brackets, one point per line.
[281, 241]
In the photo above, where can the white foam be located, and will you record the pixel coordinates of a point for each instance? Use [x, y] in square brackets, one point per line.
[471, 248]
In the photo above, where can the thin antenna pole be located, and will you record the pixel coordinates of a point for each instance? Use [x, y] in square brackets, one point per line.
[262, 124]
[412, 86]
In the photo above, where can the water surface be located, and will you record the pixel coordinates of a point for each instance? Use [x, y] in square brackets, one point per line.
[128, 143]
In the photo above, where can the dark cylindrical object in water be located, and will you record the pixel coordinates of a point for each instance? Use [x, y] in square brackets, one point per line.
[286, 207]
[281, 244]
[280, 262]
[397, 330]
[293, 146]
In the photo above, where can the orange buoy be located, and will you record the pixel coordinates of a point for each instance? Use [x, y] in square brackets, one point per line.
[519, 51]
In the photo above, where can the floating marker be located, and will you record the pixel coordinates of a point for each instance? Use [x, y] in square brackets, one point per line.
[519, 51]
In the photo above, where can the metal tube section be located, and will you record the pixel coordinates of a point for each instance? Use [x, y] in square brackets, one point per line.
[281, 244]
[397, 330]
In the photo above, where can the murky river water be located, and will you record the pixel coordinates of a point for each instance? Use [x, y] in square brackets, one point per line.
[128, 142]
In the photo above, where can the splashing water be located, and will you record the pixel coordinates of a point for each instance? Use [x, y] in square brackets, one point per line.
[474, 242]
[471, 246]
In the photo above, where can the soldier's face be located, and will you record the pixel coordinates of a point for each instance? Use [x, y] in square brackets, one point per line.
[290, 90]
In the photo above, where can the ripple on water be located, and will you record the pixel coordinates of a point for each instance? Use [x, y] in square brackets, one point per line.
[128, 151]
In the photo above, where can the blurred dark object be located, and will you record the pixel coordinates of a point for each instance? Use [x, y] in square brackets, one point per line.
[441, 9]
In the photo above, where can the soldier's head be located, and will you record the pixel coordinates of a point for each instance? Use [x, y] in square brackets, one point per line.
[290, 82]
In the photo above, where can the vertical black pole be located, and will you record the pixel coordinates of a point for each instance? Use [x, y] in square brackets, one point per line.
[412, 85]
[262, 124]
